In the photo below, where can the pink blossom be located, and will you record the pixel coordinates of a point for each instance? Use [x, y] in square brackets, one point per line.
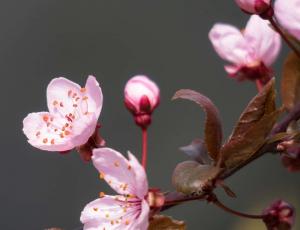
[254, 6]
[279, 215]
[72, 117]
[141, 98]
[287, 12]
[251, 51]
[128, 210]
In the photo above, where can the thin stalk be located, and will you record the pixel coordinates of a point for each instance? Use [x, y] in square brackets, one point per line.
[144, 147]
[259, 85]
[236, 213]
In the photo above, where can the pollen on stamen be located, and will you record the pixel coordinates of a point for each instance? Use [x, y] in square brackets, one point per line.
[83, 90]
[38, 134]
[101, 175]
[61, 135]
[85, 98]
[129, 167]
[61, 104]
[95, 209]
[45, 140]
[69, 93]
[101, 194]
[117, 164]
[74, 105]
[45, 118]
[67, 132]
[52, 142]
[55, 103]
[127, 222]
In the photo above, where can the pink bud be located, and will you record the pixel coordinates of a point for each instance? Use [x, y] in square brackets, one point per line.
[279, 215]
[141, 98]
[254, 6]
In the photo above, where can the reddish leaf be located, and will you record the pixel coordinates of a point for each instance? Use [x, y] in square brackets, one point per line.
[197, 151]
[252, 129]
[160, 222]
[190, 177]
[290, 84]
[213, 127]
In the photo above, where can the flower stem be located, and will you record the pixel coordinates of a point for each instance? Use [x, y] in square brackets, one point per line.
[145, 140]
[259, 85]
[284, 37]
[240, 214]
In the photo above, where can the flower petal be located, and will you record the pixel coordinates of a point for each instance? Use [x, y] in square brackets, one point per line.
[287, 13]
[263, 41]
[142, 221]
[140, 176]
[229, 43]
[62, 95]
[110, 213]
[125, 177]
[94, 94]
[47, 132]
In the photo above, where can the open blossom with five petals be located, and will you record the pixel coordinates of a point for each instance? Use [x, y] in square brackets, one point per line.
[72, 117]
[287, 12]
[254, 6]
[251, 51]
[127, 211]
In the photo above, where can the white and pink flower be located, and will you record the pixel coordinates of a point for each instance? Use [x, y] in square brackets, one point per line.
[128, 210]
[72, 117]
[141, 97]
[251, 52]
[287, 12]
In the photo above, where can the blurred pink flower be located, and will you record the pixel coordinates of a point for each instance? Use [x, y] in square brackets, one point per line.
[287, 12]
[280, 215]
[254, 6]
[141, 98]
[128, 210]
[72, 117]
[251, 51]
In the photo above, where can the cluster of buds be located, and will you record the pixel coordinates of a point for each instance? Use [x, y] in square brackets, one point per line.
[279, 216]
[141, 98]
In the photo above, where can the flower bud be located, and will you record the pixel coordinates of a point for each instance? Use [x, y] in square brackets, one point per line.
[279, 215]
[141, 98]
[254, 6]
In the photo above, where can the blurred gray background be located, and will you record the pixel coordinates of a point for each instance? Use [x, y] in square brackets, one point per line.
[114, 40]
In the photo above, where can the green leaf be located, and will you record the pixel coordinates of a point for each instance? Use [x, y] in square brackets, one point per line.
[190, 177]
[160, 222]
[290, 83]
[252, 129]
[213, 126]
